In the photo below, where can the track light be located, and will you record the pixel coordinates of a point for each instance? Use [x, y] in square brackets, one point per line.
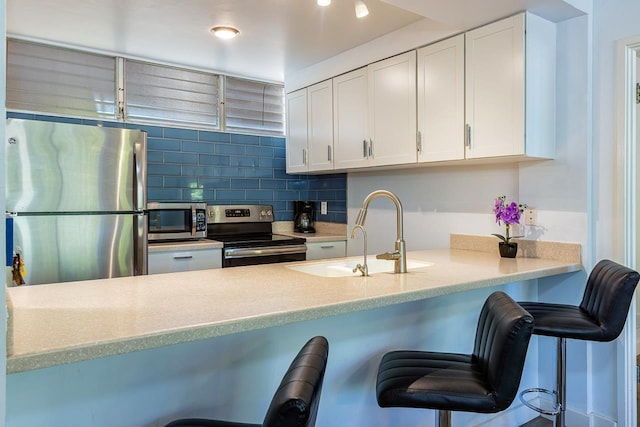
[361, 9]
[324, 2]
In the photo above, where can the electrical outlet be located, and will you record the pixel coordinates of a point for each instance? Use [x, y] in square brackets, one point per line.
[323, 208]
[530, 216]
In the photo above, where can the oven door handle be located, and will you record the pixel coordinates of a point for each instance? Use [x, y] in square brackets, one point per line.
[230, 253]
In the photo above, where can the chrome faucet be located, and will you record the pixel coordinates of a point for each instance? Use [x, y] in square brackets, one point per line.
[399, 255]
[361, 267]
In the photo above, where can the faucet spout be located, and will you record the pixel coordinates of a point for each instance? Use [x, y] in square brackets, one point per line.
[361, 267]
[399, 255]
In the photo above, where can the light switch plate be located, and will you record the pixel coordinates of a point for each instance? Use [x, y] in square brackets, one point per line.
[323, 208]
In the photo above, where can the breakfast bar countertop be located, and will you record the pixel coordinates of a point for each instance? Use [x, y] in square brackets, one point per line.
[63, 323]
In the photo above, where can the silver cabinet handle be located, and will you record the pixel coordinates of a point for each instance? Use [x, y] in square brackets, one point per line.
[328, 152]
[467, 135]
[364, 148]
[327, 246]
[370, 147]
[183, 257]
[304, 156]
[419, 141]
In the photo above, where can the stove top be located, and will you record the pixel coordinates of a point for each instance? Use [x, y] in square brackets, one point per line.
[245, 226]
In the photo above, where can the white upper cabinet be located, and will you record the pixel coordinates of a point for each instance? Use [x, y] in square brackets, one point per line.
[488, 94]
[375, 114]
[510, 88]
[320, 126]
[392, 110]
[296, 143]
[441, 101]
[351, 119]
[309, 145]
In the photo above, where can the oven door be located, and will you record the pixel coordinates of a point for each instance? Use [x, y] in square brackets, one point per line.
[235, 257]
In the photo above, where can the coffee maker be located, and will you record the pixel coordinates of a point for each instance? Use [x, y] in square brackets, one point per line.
[303, 213]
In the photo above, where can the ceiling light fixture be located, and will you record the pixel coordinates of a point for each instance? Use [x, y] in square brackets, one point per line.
[324, 2]
[361, 9]
[224, 32]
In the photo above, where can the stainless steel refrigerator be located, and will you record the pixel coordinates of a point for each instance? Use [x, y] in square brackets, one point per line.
[77, 197]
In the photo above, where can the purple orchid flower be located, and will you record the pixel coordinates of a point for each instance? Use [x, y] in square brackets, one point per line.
[509, 213]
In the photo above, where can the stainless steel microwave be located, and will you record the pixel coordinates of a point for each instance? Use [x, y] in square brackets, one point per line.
[176, 221]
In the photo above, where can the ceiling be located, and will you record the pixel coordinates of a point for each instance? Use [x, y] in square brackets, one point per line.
[276, 36]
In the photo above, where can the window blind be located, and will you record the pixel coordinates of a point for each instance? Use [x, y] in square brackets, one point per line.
[254, 107]
[167, 95]
[56, 80]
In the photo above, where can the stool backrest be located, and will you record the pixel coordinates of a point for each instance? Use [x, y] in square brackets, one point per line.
[295, 403]
[502, 338]
[607, 297]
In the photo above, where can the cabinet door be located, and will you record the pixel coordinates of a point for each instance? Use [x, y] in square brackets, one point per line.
[175, 261]
[320, 126]
[324, 250]
[392, 110]
[296, 145]
[495, 89]
[350, 119]
[441, 100]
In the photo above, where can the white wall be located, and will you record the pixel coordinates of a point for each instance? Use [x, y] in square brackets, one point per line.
[613, 20]
[436, 202]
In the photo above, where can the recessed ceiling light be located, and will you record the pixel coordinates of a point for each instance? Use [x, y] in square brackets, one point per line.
[224, 31]
[324, 2]
[361, 9]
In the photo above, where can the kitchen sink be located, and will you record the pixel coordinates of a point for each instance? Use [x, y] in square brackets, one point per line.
[344, 267]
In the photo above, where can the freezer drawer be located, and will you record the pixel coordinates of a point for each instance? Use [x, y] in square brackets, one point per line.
[63, 248]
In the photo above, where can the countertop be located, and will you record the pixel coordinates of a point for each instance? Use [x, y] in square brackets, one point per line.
[325, 231]
[69, 322]
[189, 245]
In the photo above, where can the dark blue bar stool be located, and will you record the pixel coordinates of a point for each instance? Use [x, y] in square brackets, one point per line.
[485, 381]
[295, 403]
[600, 317]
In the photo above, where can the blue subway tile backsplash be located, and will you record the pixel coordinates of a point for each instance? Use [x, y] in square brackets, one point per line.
[226, 168]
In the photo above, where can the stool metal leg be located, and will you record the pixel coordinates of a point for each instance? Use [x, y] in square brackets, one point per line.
[561, 381]
[444, 418]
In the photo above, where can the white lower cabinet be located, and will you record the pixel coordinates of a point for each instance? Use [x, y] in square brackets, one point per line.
[323, 250]
[169, 261]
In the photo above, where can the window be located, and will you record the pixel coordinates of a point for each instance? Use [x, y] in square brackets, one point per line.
[59, 81]
[54, 80]
[254, 107]
[165, 95]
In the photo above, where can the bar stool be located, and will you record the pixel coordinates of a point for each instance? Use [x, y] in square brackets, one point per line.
[600, 317]
[485, 381]
[295, 403]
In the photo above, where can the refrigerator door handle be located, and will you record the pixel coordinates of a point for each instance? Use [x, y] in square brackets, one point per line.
[140, 162]
[141, 256]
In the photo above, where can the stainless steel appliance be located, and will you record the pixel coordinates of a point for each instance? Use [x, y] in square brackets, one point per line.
[177, 221]
[77, 195]
[303, 213]
[245, 231]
